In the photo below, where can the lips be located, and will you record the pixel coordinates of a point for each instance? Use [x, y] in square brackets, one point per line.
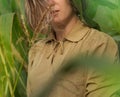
[55, 12]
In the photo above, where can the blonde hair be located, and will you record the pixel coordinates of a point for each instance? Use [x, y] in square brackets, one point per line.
[37, 14]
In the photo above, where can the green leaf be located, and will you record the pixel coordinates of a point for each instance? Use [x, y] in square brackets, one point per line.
[104, 13]
[5, 6]
[101, 14]
[6, 22]
[13, 56]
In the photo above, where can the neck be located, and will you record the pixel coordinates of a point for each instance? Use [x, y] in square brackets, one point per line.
[63, 29]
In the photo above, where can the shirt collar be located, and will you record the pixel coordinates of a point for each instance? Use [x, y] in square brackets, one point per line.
[78, 32]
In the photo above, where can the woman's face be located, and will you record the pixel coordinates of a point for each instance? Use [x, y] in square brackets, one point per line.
[61, 11]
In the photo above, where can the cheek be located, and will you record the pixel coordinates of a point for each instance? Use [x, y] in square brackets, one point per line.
[61, 18]
[66, 13]
[63, 15]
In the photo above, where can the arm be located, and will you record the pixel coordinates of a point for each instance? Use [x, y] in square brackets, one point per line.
[99, 85]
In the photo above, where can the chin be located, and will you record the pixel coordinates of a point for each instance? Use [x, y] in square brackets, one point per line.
[57, 21]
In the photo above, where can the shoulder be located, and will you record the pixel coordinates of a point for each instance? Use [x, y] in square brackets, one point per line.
[100, 37]
[100, 43]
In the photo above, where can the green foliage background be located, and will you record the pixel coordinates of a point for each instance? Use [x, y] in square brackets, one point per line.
[15, 37]
[101, 14]
[13, 49]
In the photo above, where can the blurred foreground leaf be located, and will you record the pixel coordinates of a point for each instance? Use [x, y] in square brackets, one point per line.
[103, 66]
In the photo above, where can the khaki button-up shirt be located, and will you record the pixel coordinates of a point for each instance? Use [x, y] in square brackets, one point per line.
[48, 55]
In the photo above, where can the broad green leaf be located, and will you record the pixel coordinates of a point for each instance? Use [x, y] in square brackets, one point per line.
[13, 56]
[101, 14]
[5, 6]
[6, 22]
[109, 20]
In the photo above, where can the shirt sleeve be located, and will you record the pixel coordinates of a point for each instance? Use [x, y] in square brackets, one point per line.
[97, 84]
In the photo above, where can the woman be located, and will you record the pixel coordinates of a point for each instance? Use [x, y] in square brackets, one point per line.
[68, 38]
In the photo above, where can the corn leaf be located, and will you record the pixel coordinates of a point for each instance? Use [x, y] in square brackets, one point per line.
[7, 63]
[5, 6]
